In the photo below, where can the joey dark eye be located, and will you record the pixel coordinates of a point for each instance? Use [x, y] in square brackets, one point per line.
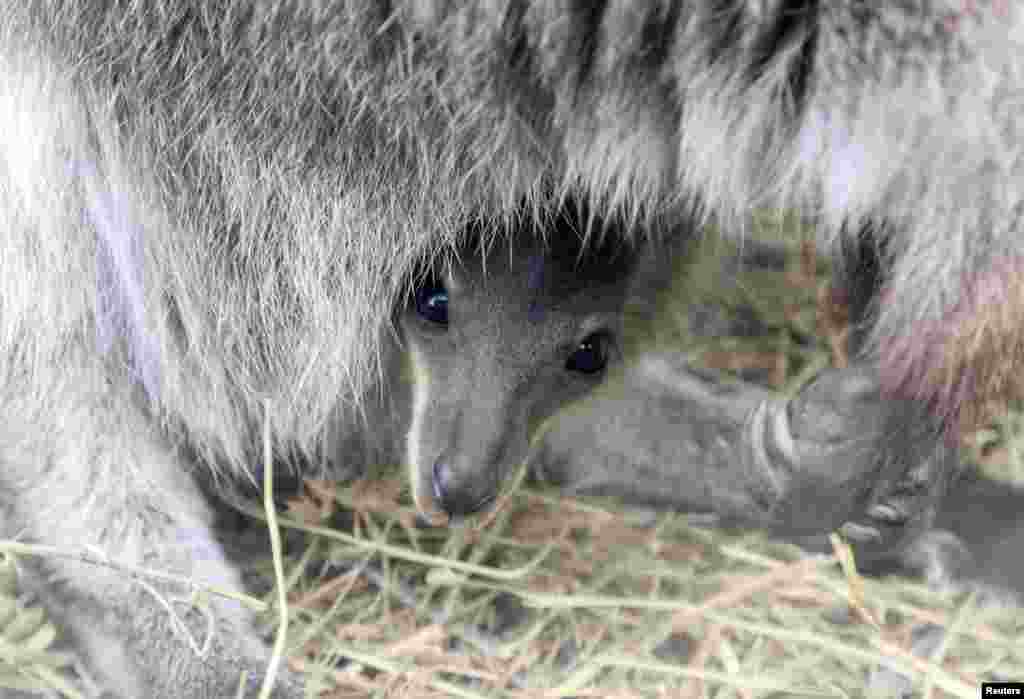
[591, 356]
[432, 301]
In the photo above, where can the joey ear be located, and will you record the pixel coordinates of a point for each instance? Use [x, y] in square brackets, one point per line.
[659, 257]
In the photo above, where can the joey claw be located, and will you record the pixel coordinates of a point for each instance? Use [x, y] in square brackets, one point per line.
[854, 532]
[892, 511]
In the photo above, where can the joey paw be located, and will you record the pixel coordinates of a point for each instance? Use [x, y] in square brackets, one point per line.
[849, 458]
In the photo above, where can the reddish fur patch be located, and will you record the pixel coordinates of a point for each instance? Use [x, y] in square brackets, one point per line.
[970, 363]
[970, 10]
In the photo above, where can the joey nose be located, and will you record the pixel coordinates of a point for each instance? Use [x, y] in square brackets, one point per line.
[457, 499]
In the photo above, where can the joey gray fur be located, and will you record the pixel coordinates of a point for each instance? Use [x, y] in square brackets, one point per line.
[206, 207]
[527, 329]
[507, 359]
[666, 434]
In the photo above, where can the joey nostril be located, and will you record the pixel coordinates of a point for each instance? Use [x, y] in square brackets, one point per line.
[455, 501]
